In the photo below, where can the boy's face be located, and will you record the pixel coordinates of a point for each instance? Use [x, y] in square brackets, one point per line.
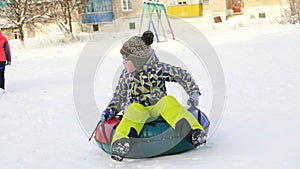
[128, 65]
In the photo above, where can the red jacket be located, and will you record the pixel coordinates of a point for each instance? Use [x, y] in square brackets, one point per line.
[5, 54]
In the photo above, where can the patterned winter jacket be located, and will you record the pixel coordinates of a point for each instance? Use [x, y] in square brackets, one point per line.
[148, 85]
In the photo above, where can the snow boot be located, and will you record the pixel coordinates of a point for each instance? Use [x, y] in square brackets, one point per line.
[120, 148]
[198, 138]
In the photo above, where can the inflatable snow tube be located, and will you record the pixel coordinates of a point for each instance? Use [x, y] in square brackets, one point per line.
[156, 139]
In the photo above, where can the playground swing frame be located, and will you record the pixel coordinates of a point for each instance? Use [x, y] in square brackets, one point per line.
[158, 7]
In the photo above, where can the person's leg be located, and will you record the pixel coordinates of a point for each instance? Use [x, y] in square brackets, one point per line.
[131, 124]
[2, 79]
[180, 119]
[134, 117]
[172, 111]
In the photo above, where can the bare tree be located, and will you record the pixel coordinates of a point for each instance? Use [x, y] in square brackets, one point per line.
[295, 11]
[292, 14]
[62, 14]
[19, 13]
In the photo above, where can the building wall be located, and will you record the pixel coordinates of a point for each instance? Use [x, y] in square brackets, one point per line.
[272, 8]
[221, 4]
[194, 10]
[119, 13]
[252, 3]
[215, 5]
[214, 8]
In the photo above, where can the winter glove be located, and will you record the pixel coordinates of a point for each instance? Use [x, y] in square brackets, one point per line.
[194, 100]
[106, 115]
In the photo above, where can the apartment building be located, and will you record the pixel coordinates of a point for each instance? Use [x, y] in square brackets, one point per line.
[106, 11]
[94, 15]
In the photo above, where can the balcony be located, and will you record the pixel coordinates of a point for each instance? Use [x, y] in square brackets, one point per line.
[95, 18]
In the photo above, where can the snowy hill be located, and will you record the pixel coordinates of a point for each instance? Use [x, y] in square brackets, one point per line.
[40, 126]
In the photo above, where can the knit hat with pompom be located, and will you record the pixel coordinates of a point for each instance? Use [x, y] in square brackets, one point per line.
[138, 49]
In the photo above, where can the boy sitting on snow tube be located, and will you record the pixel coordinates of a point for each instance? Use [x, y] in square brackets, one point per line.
[157, 137]
[141, 94]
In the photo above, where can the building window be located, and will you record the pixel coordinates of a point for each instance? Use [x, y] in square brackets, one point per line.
[97, 6]
[95, 28]
[126, 5]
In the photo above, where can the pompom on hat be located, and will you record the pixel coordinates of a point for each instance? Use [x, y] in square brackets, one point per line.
[138, 49]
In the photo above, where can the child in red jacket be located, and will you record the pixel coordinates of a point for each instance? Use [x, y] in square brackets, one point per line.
[5, 58]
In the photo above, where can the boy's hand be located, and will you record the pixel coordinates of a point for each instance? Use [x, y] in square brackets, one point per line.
[194, 100]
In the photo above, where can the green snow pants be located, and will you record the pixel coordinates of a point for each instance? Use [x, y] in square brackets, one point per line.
[168, 108]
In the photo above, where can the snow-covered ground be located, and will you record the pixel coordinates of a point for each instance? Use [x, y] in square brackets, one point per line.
[40, 126]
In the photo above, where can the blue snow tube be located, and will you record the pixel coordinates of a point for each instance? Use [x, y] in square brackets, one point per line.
[157, 137]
